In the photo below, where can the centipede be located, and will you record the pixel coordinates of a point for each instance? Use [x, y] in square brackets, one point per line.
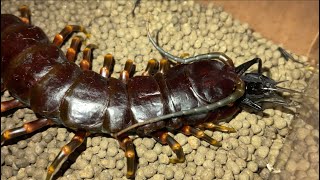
[186, 95]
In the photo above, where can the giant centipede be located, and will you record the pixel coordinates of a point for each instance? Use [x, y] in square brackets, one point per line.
[189, 95]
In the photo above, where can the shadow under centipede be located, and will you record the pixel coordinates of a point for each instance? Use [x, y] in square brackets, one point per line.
[288, 111]
[267, 70]
[259, 170]
[284, 109]
[136, 159]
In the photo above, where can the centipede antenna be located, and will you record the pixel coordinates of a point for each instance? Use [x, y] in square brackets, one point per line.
[288, 56]
[285, 54]
[157, 41]
[214, 55]
[281, 89]
[274, 100]
[164, 53]
[278, 89]
[251, 104]
[239, 91]
[279, 82]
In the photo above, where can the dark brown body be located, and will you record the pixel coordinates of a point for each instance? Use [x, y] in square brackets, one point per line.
[38, 74]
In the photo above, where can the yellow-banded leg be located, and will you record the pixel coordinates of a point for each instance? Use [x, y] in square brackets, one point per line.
[129, 69]
[27, 128]
[66, 150]
[152, 68]
[74, 48]
[184, 55]
[127, 145]
[7, 105]
[86, 61]
[188, 130]
[213, 127]
[164, 138]
[226, 116]
[108, 65]
[25, 14]
[61, 37]
[164, 66]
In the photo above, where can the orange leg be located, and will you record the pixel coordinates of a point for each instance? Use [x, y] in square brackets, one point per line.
[127, 145]
[213, 127]
[7, 105]
[108, 65]
[61, 37]
[164, 138]
[151, 68]
[86, 62]
[25, 14]
[188, 130]
[74, 48]
[66, 150]
[128, 71]
[27, 128]
[164, 66]
[226, 116]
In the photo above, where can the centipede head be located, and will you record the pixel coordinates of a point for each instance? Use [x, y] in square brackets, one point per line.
[262, 89]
